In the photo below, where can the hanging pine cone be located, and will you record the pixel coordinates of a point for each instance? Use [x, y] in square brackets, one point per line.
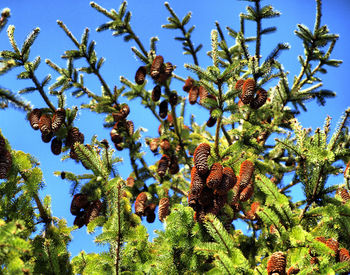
[58, 119]
[169, 68]
[188, 84]
[140, 203]
[245, 174]
[140, 75]
[344, 255]
[115, 137]
[130, 182]
[174, 166]
[5, 163]
[259, 99]
[92, 211]
[163, 109]
[229, 180]
[79, 201]
[215, 176]
[149, 212]
[246, 193]
[156, 66]
[173, 99]
[130, 127]
[203, 94]
[80, 220]
[239, 85]
[34, 117]
[156, 92]
[200, 158]
[45, 124]
[46, 138]
[165, 144]
[163, 208]
[277, 263]
[153, 145]
[72, 136]
[124, 110]
[293, 270]
[56, 146]
[248, 90]
[197, 185]
[211, 121]
[163, 165]
[63, 175]
[193, 95]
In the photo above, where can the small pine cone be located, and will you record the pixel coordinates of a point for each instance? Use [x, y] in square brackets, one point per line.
[79, 201]
[130, 182]
[93, 211]
[163, 209]
[293, 270]
[253, 209]
[46, 138]
[124, 110]
[334, 245]
[45, 124]
[193, 95]
[211, 121]
[140, 203]
[248, 90]
[239, 85]
[163, 109]
[153, 145]
[197, 183]
[169, 68]
[63, 175]
[344, 194]
[34, 117]
[246, 193]
[156, 92]
[163, 165]
[229, 180]
[56, 146]
[72, 136]
[188, 84]
[79, 220]
[215, 176]
[174, 166]
[58, 119]
[277, 263]
[165, 144]
[200, 158]
[156, 66]
[344, 255]
[130, 127]
[245, 174]
[259, 99]
[173, 99]
[115, 137]
[203, 94]
[140, 75]
[5, 164]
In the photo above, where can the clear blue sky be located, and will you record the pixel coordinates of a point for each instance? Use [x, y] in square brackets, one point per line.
[147, 18]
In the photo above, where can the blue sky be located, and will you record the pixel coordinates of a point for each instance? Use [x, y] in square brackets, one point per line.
[147, 18]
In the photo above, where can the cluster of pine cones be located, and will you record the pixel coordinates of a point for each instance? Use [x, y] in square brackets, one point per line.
[5, 159]
[122, 127]
[84, 210]
[250, 94]
[144, 208]
[48, 126]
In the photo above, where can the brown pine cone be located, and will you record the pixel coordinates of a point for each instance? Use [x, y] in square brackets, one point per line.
[259, 99]
[130, 182]
[239, 85]
[200, 158]
[277, 263]
[206, 197]
[93, 211]
[293, 270]
[46, 138]
[245, 174]
[140, 75]
[219, 202]
[130, 127]
[156, 66]
[165, 144]
[56, 146]
[246, 193]
[58, 119]
[153, 145]
[149, 212]
[215, 176]
[124, 110]
[211, 121]
[163, 208]
[156, 92]
[163, 165]
[344, 194]
[115, 137]
[334, 245]
[2, 145]
[344, 255]
[197, 185]
[174, 166]
[79, 201]
[169, 68]
[193, 95]
[5, 163]
[45, 124]
[251, 214]
[170, 120]
[34, 117]
[72, 136]
[163, 109]
[188, 84]
[229, 180]
[203, 94]
[140, 203]
[80, 220]
[248, 90]
[173, 99]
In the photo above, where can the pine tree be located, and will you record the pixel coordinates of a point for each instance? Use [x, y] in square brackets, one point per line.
[204, 180]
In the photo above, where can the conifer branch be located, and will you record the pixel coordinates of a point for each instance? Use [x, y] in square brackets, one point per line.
[258, 31]
[42, 92]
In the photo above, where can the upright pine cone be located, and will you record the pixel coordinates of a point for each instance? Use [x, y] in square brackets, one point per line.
[45, 124]
[239, 85]
[259, 99]
[79, 201]
[193, 95]
[156, 92]
[277, 263]
[58, 119]
[188, 84]
[251, 214]
[156, 66]
[215, 176]
[5, 163]
[140, 75]
[163, 109]
[163, 209]
[248, 90]
[93, 211]
[140, 203]
[344, 255]
[246, 193]
[56, 146]
[229, 180]
[163, 165]
[34, 117]
[200, 158]
[245, 174]
[211, 121]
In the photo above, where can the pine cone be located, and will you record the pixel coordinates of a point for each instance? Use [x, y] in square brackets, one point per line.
[203, 94]
[246, 193]
[293, 270]
[79, 201]
[34, 117]
[248, 90]
[188, 84]
[215, 176]
[165, 144]
[46, 138]
[197, 185]
[251, 214]
[72, 136]
[333, 244]
[200, 158]
[5, 163]
[277, 263]
[124, 110]
[163, 109]
[259, 99]
[56, 146]
[239, 85]
[153, 145]
[245, 174]
[156, 66]
[130, 127]
[174, 166]
[149, 212]
[163, 209]
[169, 68]
[92, 211]
[140, 203]
[156, 92]
[173, 99]
[140, 75]
[80, 220]
[170, 120]
[344, 194]
[193, 95]
[228, 181]
[130, 182]
[211, 121]
[344, 255]
[58, 119]
[219, 202]
[115, 137]
[163, 165]
[45, 124]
